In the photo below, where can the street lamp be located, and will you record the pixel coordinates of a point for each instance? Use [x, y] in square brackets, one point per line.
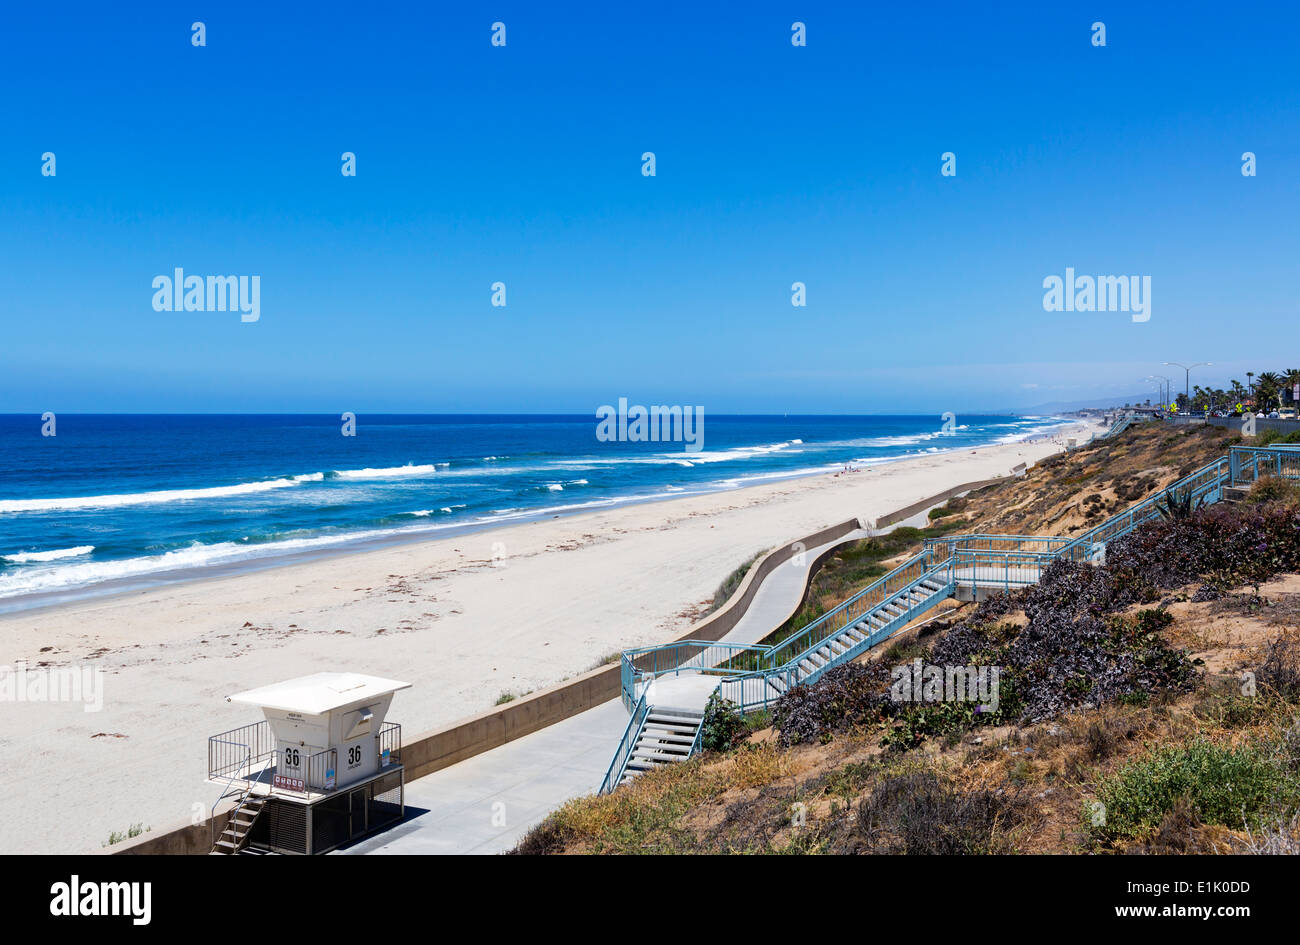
[1160, 391]
[1187, 380]
[1164, 392]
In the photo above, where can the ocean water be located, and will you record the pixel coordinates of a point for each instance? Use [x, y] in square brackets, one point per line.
[116, 502]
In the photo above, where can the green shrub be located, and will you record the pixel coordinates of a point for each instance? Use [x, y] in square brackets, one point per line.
[1231, 787]
[1276, 436]
[132, 832]
[1274, 489]
[723, 724]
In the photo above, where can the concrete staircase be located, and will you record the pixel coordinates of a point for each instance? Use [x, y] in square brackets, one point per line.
[659, 734]
[667, 737]
[850, 642]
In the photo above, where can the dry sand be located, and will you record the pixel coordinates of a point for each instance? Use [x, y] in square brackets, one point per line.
[465, 619]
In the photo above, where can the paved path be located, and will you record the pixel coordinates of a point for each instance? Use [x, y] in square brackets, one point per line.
[486, 803]
[778, 594]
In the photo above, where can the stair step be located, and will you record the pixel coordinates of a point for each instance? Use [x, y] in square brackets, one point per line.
[687, 720]
[686, 730]
[668, 739]
[660, 751]
[657, 758]
[643, 764]
[239, 824]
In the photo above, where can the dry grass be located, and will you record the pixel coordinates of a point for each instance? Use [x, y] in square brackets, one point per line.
[1006, 789]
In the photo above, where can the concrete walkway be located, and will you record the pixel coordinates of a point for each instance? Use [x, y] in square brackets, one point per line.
[486, 803]
[782, 590]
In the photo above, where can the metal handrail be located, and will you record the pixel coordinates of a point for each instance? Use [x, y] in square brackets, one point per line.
[624, 750]
[792, 672]
[227, 792]
[1207, 480]
[986, 536]
[929, 574]
[256, 738]
[941, 549]
[693, 656]
[1283, 458]
[390, 737]
[847, 612]
[1005, 562]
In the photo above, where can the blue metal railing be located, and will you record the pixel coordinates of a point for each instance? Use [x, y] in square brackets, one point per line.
[1008, 569]
[1119, 427]
[1249, 463]
[759, 689]
[1206, 485]
[852, 611]
[941, 549]
[618, 765]
[701, 657]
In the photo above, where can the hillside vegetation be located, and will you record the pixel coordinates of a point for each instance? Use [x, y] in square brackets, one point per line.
[1145, 706]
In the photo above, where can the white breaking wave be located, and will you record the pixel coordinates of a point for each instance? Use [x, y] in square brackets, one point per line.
[73, 503]
[58, 577]
[389, 472]
[76, 575]
[736, 453]
[23, 557]
[446, 510]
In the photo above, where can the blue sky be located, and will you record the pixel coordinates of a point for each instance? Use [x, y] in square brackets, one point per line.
[521, 164]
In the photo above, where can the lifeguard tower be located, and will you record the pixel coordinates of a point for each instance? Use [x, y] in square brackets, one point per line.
[322, 768]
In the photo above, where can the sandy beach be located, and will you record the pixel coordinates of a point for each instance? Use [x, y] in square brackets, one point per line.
[465, 619]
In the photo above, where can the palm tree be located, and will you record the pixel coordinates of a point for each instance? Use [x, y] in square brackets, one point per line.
[1292, 377]
[1268, 387]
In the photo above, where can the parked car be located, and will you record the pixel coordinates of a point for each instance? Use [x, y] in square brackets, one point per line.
[1287, 413]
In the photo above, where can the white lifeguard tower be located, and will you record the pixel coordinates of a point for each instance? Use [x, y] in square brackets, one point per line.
[322, 768]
